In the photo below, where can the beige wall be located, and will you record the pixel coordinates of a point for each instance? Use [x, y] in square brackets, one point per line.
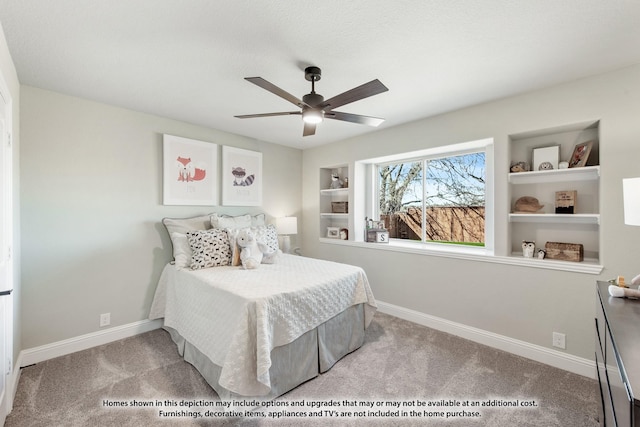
[92, 240]
[522, 303]
[91, 205]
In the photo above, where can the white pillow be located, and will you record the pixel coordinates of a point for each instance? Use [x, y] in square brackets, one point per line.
[240, 221]
[181, 250]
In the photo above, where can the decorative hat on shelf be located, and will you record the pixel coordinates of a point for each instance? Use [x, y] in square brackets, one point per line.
[527, 204]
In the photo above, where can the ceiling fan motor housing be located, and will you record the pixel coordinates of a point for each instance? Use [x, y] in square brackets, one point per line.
[313, 99]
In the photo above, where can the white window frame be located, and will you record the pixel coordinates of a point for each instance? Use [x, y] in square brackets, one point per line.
[372, 204]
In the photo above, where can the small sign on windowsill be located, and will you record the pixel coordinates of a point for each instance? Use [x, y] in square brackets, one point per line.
[377, 235]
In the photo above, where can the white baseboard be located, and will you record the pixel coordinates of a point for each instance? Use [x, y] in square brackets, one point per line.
[567, 362]
[557, 359]
[49, 351]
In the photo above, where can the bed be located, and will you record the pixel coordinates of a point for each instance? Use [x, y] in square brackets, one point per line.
[260, 333]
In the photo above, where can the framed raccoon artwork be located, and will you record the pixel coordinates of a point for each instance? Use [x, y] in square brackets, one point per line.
[241, 177]
[189, 172]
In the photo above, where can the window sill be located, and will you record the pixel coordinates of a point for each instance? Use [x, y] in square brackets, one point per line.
[472, 254]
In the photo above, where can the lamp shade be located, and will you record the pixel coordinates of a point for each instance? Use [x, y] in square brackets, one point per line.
[631, 193]
[287, 225]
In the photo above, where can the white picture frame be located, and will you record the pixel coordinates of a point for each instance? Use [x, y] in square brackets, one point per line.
[241, 177]
[189, 173]
[333, 232]
[546, 158]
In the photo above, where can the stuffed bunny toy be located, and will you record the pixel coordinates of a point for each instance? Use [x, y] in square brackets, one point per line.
[250, 253]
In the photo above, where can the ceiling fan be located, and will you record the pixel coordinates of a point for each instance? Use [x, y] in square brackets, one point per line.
[313, 106]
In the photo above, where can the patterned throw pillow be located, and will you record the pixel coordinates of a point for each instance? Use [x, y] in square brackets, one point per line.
[268, 235]
[210, 248]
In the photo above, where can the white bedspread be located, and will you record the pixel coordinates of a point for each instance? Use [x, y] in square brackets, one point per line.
[236, 316]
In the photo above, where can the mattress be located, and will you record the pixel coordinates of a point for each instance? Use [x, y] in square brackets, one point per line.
[236, 318]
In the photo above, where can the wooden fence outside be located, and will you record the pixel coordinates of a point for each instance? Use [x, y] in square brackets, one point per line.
[446, 223]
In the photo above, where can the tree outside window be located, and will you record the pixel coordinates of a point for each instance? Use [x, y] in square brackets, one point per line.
[435, 199]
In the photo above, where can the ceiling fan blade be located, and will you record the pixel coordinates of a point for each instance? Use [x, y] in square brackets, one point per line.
[354, 118]
[285, 113]
[309, 129]
[259, 81]
[374, 87]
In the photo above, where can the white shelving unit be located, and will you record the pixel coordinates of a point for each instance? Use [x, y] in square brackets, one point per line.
[329, 195]
[581, 227]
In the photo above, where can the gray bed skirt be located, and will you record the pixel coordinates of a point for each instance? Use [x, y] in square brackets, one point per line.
[292, 364]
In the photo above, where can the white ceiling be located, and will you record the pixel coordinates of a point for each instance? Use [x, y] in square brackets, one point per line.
[186, 60]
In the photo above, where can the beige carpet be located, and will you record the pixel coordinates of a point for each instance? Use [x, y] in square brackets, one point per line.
[400, 363]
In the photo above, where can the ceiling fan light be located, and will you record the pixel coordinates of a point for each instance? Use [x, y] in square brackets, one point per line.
[313, 116]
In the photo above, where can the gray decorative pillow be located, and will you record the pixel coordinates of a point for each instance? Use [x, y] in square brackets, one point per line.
[210, 248]
[182, 225]
[177, 227]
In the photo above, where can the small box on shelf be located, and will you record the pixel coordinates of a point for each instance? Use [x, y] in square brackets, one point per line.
[565, 251]
[339, 207]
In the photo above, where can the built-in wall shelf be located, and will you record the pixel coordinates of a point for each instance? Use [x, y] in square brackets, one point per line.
[545, 225]
[556, 218]
[589, 265]
[334, 191]
[587, 173]
[334, 215]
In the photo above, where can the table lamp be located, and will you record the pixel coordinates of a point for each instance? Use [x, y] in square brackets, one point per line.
[631, 194]
[286, 226]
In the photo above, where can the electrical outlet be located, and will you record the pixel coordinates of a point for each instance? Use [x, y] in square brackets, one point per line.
[105, 319]
[559, 340]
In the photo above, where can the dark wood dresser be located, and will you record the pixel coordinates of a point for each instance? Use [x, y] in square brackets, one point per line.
[618, 358]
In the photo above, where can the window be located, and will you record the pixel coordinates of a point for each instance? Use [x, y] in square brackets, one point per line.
[435, 198]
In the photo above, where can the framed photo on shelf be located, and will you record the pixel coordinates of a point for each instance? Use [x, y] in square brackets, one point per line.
[241, 177]
[580, 154]
[333, 232]
[189, 172]
[546, 158]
